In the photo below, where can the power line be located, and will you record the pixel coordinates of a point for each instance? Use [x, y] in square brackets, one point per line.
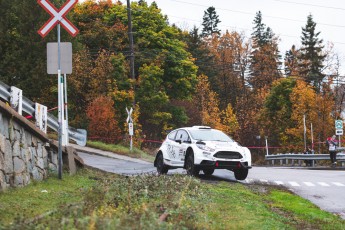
[248, 13]
[306, 4]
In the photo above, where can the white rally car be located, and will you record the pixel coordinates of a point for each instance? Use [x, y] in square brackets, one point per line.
[202, 148]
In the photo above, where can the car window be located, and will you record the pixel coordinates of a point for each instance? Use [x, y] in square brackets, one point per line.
[182, 135]
[210, 135]
[172, 135]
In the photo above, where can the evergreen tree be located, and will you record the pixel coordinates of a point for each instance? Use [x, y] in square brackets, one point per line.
[265, 60]
[202, 54]
[291, 62]
[311, 58]
[210, 22]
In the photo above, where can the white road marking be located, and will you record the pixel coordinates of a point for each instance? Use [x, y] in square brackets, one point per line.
[309, 184]
[323, 184]
[293, 183]
[338, 184]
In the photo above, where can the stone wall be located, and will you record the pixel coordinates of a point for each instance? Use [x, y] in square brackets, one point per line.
[25, 152]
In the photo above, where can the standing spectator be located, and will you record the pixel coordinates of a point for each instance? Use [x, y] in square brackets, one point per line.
[308, 162]
[332, 146]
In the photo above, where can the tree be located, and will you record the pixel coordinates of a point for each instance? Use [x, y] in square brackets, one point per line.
[316, 107]
[210, 22]
[265, 61]
[275, 115]
[102, 123]
[229, 121]
[291, 62]
[231, 55]
[204, 58]
[311, 54]
[208, 103]
[153, 99]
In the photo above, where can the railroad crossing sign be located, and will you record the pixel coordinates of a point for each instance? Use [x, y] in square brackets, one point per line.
[57, 16]
[129, 118]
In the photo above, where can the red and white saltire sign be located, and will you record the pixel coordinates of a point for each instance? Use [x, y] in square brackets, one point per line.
[57, 16]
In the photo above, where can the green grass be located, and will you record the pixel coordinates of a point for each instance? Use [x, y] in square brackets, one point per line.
[96, 200]
[120, 149]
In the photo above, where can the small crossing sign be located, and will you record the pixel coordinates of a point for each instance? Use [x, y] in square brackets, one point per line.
[129, 118]
[338, 124]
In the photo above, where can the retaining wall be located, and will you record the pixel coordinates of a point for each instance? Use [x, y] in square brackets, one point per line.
[25, 152]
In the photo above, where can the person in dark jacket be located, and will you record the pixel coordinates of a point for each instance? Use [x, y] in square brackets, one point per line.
[332, 147]
[308, 162]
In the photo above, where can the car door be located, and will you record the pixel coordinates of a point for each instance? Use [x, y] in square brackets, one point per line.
[170, 145]
[182, 140]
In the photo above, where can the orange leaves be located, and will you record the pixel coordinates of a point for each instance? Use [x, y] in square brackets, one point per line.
[102, 121]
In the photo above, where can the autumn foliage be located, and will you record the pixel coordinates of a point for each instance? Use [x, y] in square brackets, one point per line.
[102, 121]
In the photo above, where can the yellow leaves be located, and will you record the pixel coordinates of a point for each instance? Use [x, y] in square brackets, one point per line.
[316, 107]
[230, 123]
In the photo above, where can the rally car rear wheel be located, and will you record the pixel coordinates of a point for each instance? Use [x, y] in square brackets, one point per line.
[161, 167]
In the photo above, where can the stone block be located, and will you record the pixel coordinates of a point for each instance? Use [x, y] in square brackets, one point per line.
[2, 142]
[36, 174]
[52, 167]
[45, 157]
[18, 181]
[11, 132]
[8, 161]
[39, 150]
[4, 126]
[2, 161]
[28, 139]
[18, 165]
[3, 184]
[40, 163]
[15, 148]
[26, 178]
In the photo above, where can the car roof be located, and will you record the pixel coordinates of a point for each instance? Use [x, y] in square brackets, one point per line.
[197, 127]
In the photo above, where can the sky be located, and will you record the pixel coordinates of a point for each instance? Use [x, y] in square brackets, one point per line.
[285, 17]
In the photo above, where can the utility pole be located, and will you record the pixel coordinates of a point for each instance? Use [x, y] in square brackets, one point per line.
[130, 35]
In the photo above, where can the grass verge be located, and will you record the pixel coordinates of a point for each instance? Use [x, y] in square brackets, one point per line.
[96, 200]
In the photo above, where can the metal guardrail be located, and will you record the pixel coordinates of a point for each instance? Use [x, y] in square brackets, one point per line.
[301, 156]
[78, 135]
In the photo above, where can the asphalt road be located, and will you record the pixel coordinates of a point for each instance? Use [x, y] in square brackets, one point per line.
[325, 188]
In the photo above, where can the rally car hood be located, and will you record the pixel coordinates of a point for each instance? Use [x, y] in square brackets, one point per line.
[231, 146]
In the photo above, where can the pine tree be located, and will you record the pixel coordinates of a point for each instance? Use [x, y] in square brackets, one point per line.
[210, 22]
[291, 62]
[311, 57]
[265, 60]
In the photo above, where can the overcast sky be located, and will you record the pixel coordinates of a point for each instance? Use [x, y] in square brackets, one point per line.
[285, 17]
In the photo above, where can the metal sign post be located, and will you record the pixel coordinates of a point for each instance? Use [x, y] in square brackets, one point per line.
[130, 126]
[57, 18]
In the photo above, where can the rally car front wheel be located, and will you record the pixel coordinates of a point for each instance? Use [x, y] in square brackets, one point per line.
[241, 174]
[192, 170]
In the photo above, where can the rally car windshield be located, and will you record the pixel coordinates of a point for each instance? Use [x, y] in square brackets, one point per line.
[209, 135]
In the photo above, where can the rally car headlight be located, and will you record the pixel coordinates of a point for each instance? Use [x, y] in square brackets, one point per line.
[205, 148]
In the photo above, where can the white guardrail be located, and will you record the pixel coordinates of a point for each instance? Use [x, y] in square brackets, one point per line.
[78, 135]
